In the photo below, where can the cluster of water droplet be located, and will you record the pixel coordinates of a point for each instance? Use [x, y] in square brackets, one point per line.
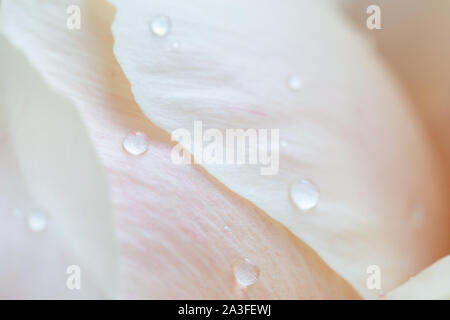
[304, 194]
[161, 26]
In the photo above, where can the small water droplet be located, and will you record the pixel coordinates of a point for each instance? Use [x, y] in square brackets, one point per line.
[161, 25]
[294, 82]
[245, 272]
[284, 143]
[175, 45]
[37, 221]
[16, 212]
[135, 143]
[305, 194]
[381, 294]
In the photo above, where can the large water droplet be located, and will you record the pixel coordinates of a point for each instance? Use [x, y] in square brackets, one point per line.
[135, 143]
[161, 25]
[305, 194]
[245, 272]
[294, 82]
[37, 221]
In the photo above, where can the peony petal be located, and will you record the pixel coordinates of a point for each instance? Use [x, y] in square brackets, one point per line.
[431, 284]
[47, 165]
[348, 129]
[180, 230]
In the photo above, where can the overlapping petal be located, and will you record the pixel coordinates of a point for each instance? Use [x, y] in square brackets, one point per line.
[48, 165]
[349, 129]
[180, 230]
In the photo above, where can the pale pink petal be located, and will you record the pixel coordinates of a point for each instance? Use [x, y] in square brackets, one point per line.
[349, 129]
[181, 231]
[48, 166]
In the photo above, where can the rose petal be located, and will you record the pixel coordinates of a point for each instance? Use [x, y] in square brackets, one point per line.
[432, 283]
[348, 129]
[180, 230]
[425, 68]
[48, 165]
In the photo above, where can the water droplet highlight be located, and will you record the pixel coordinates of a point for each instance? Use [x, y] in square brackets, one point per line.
[294, 82]
[245, 272]
[37, 221]
[135, 143]
[161, 26]
[305, 194]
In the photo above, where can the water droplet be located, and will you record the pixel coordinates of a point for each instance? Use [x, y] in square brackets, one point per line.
[284, 143]
[161, 26]
[175, 45]
[16, 212]
[381, 294]
[294, 82]
[37, 221]
[245, 272]
[305, 194]
[135, 143]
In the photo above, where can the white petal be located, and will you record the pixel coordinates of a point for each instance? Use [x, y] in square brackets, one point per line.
[433, 283]
[48, 164]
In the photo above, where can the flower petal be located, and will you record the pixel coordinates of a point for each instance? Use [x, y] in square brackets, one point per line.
[49, 166]
[349, 128]
[432, 283]
[180, 230]
[425, 68]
